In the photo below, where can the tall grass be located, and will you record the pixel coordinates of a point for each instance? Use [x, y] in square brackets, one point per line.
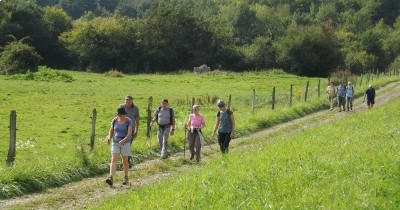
[53, 117]
[348, 164]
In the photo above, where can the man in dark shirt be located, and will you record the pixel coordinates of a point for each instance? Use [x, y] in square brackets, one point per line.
[370, 94]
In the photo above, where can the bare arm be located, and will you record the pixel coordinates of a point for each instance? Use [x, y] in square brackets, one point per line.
[215, 126]
[110, 133]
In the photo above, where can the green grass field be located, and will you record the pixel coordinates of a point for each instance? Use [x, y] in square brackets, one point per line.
[53, 117]
[352, 163]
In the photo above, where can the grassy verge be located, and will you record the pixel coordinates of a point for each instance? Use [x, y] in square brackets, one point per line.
[54, 117]
[347, 164]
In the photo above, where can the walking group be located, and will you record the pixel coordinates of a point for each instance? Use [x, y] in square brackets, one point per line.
[124, 128]
[345, 96]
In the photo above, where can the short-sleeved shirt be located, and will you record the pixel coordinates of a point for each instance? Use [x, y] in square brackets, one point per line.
[164, 116]
[370, 93]
[225, 124]
[350, 91]
[331, 90]
[196, 120]
[120, 130]
[132, 112]
[341, 91]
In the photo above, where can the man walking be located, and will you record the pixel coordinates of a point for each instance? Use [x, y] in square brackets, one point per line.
[165, 118]
[349, 96]
[331, 94]
[341, 93]
[370, 95]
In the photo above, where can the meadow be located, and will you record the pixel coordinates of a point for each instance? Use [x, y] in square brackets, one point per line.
[54, 110]
[352, 163]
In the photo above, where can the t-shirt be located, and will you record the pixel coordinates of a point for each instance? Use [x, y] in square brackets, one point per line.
[331, 90]
[132, 113]
[370, 93]
[341, 91]
[350, 91]
[120, 130]
[163, 115]
[225, 124]
[196, 121]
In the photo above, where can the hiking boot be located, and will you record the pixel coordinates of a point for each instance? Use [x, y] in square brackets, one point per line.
[125, 181]
[109, 180]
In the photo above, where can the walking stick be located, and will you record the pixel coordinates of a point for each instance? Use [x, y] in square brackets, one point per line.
[184, 143]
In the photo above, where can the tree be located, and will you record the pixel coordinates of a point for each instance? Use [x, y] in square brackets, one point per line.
[103, 43]
[311, 51]
[18, 57]
[173, 39]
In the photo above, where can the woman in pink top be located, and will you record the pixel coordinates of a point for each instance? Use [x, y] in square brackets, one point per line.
[195, 123]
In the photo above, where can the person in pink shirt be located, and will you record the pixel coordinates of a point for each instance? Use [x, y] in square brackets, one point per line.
[195, 123]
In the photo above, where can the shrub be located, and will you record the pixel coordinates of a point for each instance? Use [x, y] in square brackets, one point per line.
[114, 73]
[44, 74]
[18, 57]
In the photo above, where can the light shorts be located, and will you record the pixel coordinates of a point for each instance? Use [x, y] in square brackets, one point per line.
[124, 150]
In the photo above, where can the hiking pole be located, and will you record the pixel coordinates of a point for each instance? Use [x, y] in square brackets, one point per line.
[184, 143]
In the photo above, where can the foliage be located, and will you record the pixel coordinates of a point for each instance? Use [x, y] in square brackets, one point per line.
[103, 43]
[18, 57]
[43, 74]
[223, 34]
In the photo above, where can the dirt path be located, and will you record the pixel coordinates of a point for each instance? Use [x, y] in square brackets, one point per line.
[79, 194]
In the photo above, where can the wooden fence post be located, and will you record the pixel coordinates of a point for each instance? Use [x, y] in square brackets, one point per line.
[273, 98]
[13, 138]
[306, 94]
[93, 133]
[291, 95]
[253, 100]
[149, 107]
[319, 88]
[229, 101]
[193, 102]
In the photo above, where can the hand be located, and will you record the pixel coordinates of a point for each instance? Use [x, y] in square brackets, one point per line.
[172, 131]
[232, 135]
[108, 139]
[212, 135]
[122, 142]
[134, 135]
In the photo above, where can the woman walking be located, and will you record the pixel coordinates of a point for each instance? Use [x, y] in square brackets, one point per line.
[120, 133]
[195, 123]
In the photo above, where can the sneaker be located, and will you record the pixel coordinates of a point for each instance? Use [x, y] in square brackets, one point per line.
[125, 181]
[109, 180]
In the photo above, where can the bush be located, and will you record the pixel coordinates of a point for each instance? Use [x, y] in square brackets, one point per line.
[114, 73]
[18, 57]
[44, 74]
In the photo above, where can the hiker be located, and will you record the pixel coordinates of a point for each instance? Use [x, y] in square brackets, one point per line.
[165, 118]
[370, 94]
[133, 113]
[195, 123]
[349, 96]
[225, 123]
[341, 95]
[120, 134]
[331, 94]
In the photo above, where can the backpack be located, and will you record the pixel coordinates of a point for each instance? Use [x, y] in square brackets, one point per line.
[170, 114]
[229, 113]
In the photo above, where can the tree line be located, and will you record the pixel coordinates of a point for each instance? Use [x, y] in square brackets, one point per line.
[305, 37]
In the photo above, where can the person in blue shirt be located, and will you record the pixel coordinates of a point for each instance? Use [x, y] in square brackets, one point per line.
[225, 124]
[349, 96]
[119, 136]
[370, 95]
[341, 94]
